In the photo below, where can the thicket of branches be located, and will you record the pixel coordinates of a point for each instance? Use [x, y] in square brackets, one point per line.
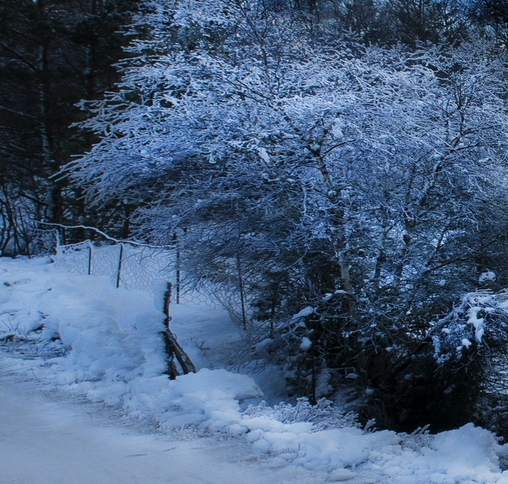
[52, 54]
[337, 167]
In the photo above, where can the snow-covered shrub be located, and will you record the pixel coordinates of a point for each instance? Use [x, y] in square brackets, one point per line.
[471, 345]
[446, 375]
[478, 326]
[324, 415]
[401, 377]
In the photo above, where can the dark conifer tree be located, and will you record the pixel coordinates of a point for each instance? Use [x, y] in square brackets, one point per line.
[52, 55]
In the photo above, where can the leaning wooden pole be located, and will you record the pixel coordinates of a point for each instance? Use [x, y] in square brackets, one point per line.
[173, 348]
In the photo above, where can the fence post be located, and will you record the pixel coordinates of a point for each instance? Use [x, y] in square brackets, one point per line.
[90, 258]
[119, 272]
[167, 303]
[177, 281]
[178, 275]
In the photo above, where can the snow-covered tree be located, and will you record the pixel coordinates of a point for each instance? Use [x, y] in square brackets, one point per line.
[297, 169]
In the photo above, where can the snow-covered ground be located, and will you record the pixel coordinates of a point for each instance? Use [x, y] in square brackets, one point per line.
[84, 400]
[44, 440]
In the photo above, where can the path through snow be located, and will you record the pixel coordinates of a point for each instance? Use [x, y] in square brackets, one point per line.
[48, 441]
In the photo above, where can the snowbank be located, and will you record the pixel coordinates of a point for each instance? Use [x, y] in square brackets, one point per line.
[78, 334]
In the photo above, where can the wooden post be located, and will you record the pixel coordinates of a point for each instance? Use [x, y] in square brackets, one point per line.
[119, 271]
[177, 249]
[171, 370]
[173, 348]
[167, 304]
[90, 259]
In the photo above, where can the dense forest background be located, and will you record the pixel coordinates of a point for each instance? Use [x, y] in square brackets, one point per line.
[341, 165]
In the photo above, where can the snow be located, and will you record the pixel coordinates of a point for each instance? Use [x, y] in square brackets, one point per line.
[264, 155]
[98, 351]
[307, 311]
[478, 323]
[306, 344]
[44, 440]
[487, 276]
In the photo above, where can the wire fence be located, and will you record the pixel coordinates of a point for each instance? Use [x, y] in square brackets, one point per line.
[147, 268]
[133, 267]
[126, 266]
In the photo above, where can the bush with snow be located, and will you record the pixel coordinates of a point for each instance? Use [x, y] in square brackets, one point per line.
[479, 323]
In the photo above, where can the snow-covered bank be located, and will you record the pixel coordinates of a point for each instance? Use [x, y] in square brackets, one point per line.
[48, 441]
[103, 343]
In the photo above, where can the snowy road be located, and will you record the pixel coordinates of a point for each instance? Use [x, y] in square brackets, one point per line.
[49, 441]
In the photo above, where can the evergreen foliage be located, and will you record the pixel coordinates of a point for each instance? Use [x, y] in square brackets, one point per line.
[52, 54]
